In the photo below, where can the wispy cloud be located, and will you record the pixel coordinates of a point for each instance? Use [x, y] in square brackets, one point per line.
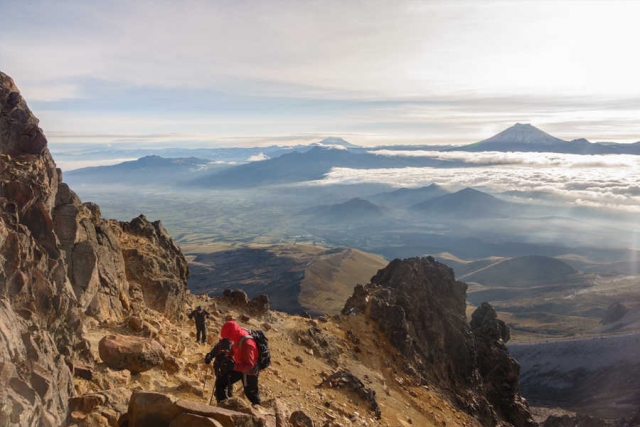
[258, 158]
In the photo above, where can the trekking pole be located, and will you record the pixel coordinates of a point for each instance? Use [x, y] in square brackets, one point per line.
[212, 392]
[204, 384]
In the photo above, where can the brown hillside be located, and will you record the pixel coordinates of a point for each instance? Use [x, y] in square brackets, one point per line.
[329, 280]
[296, 278]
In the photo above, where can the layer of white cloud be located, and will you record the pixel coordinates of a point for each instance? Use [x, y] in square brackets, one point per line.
[258, 158]
[331, 146]
[610, 182]
[554, 160]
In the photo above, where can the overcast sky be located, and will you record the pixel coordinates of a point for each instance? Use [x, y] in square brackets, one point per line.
[374, 72]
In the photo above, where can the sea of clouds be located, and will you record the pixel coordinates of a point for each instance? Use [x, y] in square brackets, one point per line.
[603, 181]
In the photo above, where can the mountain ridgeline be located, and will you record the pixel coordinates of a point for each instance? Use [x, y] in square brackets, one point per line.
[309, 165]
[254, 167]
[146, 170]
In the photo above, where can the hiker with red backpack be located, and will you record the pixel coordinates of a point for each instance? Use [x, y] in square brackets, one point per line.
[249, 352]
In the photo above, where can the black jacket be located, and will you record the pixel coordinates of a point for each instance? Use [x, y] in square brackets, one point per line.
[200, 317]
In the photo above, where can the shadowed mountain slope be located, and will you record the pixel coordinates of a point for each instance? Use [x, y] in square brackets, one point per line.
[569, 372]
[466, 203]
[404, 197]
[522, 272]
[146, 170]
[353, 210]
[296, 278]
[310, 165]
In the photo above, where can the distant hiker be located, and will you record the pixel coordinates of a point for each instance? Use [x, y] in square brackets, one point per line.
[200, 315]
[245, 355]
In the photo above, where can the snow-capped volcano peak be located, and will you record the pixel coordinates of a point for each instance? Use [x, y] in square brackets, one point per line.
[523, 134]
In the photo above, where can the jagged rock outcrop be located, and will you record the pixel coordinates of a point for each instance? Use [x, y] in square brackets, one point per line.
[499, 371]
[154, 265]
[59, 263]
[420, 306]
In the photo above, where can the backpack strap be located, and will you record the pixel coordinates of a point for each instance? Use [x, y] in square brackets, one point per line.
[256, 367]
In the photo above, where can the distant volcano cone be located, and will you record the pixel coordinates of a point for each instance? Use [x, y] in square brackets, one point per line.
[523, 134]
[520, 137]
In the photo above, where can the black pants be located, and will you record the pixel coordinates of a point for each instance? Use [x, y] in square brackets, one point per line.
[250, 388]
[201, 331]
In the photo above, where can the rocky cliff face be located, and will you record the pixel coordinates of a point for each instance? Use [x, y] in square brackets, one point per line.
[154, 265]
[60, 262]
[420, 306]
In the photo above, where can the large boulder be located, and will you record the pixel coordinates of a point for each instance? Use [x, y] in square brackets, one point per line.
[135, 354]
[150, 409]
